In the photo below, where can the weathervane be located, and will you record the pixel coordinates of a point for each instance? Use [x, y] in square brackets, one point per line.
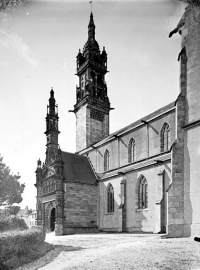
[91, 5]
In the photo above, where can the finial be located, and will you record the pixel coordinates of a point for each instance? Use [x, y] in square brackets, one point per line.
[39, 164]
[52, 92]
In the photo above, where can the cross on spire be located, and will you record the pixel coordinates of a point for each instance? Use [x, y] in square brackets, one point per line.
[91, 4]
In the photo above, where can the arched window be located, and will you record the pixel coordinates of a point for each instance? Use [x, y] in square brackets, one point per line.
[110, 199]
[131, 151]
[165, 138]
[142, 193]
[106, 161]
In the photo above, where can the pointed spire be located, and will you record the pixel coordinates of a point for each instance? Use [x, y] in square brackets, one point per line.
[52, 93]
[39, 164]
[91, 19]
[52, 103]
[91, 27]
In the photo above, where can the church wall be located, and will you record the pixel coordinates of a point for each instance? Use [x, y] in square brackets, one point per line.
[191, 41]
[112, 147]
[80, 208]
[109, 221]
[191, 181]
[140, 137]
[118, 148]
[146, 219]
[155, 127]
[137, 220]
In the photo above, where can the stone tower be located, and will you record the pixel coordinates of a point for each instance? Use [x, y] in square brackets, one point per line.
[92, 104]
[183, 209]
[51, 129]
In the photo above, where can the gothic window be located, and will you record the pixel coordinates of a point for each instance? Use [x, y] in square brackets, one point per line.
[131, 151]
[106, 161]
[142, 193]
[110, 199]
[83, 81]
[165, 138]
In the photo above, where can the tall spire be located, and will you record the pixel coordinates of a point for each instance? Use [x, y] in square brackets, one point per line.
[91, 27]
[52, 103]
[92, 124]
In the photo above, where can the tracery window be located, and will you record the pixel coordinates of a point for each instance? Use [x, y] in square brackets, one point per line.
[142, 193]
[165, 137]
[110, 198]
[106, 161]
[131, 151]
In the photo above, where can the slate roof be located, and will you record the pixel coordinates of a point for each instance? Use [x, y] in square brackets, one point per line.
[78, 168]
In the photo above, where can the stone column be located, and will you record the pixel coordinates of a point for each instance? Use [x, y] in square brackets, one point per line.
[176, 190]
[39, 214]
[122, 207]
[43, 216]
[59, 227]
[159, 201]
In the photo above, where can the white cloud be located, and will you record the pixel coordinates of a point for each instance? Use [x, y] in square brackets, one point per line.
[10, 40]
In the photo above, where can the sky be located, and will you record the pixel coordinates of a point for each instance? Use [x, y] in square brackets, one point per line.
[39, 42]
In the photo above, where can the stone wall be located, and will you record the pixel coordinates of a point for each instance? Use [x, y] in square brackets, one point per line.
[147, 140]
[152, 219]
[191, 42]
[80, 207]
[92, 125]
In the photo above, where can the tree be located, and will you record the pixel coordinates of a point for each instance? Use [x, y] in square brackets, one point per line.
[7, 4]
[192, 2]
[13, 210]
[10, 188]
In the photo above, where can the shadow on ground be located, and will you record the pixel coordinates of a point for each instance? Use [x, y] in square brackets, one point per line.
[49, 257]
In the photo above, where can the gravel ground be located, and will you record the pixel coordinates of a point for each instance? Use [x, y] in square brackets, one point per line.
[118, 251]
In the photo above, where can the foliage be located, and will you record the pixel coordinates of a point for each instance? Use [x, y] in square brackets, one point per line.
[13, 210]
[8, 223]
[10, 188]
[19, 247]
[7, 4]
[191, 2]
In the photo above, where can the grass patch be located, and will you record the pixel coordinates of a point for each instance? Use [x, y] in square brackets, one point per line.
[21, 247]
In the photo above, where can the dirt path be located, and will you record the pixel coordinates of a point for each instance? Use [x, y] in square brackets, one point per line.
[118, 251]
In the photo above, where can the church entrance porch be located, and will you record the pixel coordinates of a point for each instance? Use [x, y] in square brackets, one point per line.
[52, 219]
[49, 216]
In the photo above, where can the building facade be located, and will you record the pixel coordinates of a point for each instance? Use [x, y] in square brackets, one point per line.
[142, 178]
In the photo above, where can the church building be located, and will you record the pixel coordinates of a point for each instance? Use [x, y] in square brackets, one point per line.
[141, 178]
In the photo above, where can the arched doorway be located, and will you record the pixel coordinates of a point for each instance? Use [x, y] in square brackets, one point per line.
[52, 219]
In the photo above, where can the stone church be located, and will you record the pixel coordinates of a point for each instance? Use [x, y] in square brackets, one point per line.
[144, 177]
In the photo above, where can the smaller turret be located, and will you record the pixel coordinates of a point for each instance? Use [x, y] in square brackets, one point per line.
[51, 129]
[58, 164]
[38, 171]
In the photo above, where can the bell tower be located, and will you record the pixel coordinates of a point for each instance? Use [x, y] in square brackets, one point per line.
[52, 129]
[92, 104]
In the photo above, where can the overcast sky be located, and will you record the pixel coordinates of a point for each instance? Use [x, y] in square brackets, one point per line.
[39, 41]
